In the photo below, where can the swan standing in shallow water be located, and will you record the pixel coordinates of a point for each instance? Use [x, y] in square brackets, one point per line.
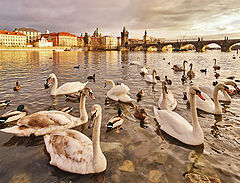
[44, 122]
[70, 87]
[210, 106]
[74, 152]
[223, 95]
[178, 127]
[151, 78]
[119, 92]
[166, 100]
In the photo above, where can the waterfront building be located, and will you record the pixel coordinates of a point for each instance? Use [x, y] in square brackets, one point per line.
[43, 42]
[124, 37]
[97, 33]
[32, 34]
[80, 41]
[12, 39]
[109, 42]
[96, 43]
[61, 38]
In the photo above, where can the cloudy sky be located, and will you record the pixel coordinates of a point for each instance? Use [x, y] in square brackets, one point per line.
[165, 19]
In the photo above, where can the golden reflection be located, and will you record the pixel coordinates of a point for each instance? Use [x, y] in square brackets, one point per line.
[112, 57]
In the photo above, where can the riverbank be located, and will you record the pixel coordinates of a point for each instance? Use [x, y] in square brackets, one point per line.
[35, 48]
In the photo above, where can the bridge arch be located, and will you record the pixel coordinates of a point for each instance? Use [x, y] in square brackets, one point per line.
[152, 48]
[166, 47]
[212, 44]
[234, 44]
[138, 48]
[188, 46]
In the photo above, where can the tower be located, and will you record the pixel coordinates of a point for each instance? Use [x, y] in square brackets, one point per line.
[97, 33]
[47, 32]
[145, 37]
[124, 37]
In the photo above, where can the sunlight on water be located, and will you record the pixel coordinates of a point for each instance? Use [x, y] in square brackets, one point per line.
[141, 152]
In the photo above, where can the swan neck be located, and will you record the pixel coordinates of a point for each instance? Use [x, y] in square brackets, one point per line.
[215, 62]
[196, 126]
[112, 83]
[164, 100]
[82, 108]
[97, 152]
[218, 108]
[55, 84]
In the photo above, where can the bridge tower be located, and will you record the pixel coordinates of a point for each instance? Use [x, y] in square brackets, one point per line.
[145, 37]
[124, 37]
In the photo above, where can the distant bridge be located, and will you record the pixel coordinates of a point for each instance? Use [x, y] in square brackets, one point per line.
[199, 45]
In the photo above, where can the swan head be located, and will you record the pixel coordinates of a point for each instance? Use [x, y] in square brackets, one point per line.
[222, 86]
[88, 91]
[194, 90]
[164, 86]
[232, 83]
[95, 112]
[107, 82]
[185, 61]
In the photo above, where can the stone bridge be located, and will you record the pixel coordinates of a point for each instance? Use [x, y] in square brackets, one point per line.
[198, 44]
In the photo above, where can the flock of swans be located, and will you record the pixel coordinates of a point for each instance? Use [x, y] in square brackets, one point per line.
[72, 151]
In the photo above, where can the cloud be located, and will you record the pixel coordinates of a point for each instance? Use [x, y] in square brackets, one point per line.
[165, 18]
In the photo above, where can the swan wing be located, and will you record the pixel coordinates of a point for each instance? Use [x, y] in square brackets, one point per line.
[70, 151]
[209, 91]
[125, 98]
[206, 105]
[171, 101]
[119, 90]
[172, 123]
[70, 87]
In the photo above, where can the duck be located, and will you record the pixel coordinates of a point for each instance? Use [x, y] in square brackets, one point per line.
[72, 151]
[166, 100]
[223, 96]
[12, 116]
[65, 109]
[209, 106]
[43, 122]
[178, 127]
[116, 121]
[184, 95]
[139, 95]
[70, 87]
[215, 66]
[139, 113]
[17, 87]
[231, 77]
[151, 78]
[119, 92]
[169, 82]
[179, 68]
[4, 103]
[144, 70]
[91, 77]
[184, 79]
[203, 70]
[216, 75]
[190, 73]
[77, 67]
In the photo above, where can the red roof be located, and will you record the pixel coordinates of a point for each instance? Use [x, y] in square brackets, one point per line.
[12, 33]
[62, 34]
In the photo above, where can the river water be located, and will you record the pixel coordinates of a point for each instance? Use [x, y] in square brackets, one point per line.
[141, 152]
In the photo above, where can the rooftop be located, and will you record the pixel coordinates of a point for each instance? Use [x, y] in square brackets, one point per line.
[26, 29]
[12, 33]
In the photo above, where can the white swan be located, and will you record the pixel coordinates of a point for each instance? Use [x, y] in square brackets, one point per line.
[166, 100]
[151, 78]
[223, 95]
[208, 105]
[44, 122]
[119, 92]
[178, 127]
[144, 70]
[74, 152]
[70, 87]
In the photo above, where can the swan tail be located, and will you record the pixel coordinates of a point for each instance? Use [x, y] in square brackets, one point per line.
[19, 131]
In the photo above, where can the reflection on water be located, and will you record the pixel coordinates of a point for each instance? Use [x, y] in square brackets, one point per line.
[141, 152]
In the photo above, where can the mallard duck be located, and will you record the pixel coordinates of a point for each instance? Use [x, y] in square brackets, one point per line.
[11, 116]
[139, 95]
[70, 87]
[77, 67]
[169, 82]
[4, 103]
[91, 77]
[74, 152]
[116, 121]
[139, 113]
[17, 87]
[203, 70]
[44, 122]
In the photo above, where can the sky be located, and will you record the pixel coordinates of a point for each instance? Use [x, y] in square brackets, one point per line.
[172, 19]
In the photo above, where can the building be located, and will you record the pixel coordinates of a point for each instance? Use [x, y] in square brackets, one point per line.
[43, 42]
[96, 43]
[97, 33]
[109, 43]
[32, 34]
[12, 39]
[80, 41]
[124, 37]
[62, 39]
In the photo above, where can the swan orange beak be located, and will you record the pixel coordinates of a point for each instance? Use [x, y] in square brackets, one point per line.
[201, 97]
[227, 90]
[91, 95]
